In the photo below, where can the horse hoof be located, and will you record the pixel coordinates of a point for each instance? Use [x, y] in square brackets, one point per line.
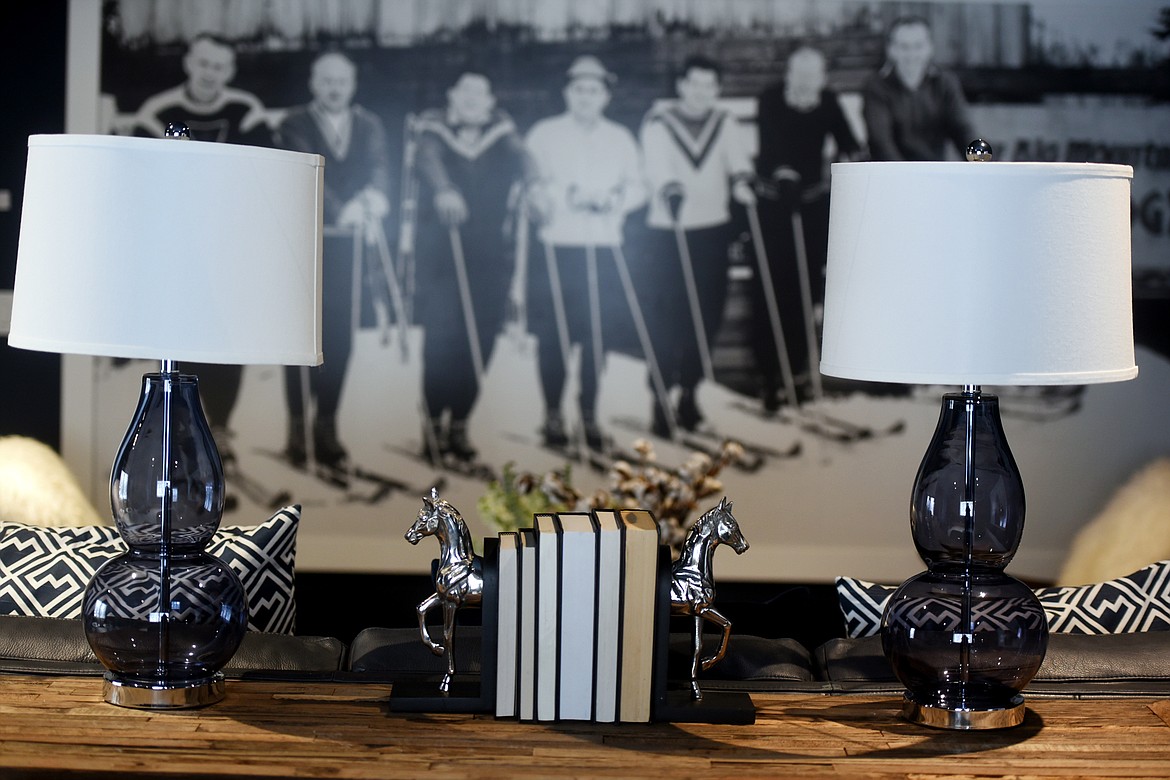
[696, 694]
[445, 685]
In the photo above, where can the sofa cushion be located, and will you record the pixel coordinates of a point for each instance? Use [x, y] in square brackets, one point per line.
[749, 658]
[399, 654]
[1074, 665]
[37, 487]
[40, 645]
[44, 571]
[1137, 602]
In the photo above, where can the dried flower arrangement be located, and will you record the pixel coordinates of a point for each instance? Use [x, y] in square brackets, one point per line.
[672, 494]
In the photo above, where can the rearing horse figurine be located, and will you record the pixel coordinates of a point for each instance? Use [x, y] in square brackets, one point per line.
[692, 587]
[458, 579]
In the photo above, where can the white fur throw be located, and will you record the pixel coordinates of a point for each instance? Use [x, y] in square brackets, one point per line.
[1132, 530]
[37, 488]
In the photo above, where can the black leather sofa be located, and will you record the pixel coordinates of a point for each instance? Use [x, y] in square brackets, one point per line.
[1076, 665]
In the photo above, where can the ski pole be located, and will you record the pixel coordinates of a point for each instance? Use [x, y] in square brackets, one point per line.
[660, 392]
[520, 276]
[466, 303]
[354, 235]
[591, 211]
[408, 210]
[562, 323]
[810, 330]
[594, 310]
[334, 474]
[306, 417]
[430, 435]
[674, 201]
[773, 308]
[392, 283]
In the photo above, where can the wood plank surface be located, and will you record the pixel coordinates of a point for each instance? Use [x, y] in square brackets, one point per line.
[53, 725]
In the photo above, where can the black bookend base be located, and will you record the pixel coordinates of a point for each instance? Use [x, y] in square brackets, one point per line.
[465, 696]
[672, 701]
[726, 707]
[468, 693]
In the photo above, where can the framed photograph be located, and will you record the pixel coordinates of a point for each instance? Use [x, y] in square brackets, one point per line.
[560, 232]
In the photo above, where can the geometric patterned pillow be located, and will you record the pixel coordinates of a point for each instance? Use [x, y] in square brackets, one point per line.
[44, 571]
[862, 604]
[264, 558]
[1137, 602]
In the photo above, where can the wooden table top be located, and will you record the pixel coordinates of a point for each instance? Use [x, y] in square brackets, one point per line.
[49, 725]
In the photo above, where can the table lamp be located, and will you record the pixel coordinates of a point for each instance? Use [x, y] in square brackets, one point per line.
[974, 273]
[174, 250]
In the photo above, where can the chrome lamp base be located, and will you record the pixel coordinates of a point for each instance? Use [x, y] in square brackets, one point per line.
[147, 695]
[960, 719]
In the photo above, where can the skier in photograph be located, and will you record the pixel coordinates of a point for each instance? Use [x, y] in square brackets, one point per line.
[795, 118]
[213, 111]
[356, 198]
[913, 109]
[588, 181]
[205, 101]
[471, 163]
[696, 163]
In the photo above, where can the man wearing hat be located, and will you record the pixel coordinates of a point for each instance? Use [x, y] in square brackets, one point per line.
[588, 180]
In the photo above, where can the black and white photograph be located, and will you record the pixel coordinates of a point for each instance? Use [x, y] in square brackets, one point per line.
[560, 237]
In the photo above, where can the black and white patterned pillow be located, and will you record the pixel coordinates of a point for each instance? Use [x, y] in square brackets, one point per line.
[44, 571]
[1137, 602]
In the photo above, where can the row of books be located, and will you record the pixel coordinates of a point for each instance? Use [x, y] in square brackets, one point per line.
[576, 617]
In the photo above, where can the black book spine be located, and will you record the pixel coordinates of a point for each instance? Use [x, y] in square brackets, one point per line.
[490, 620]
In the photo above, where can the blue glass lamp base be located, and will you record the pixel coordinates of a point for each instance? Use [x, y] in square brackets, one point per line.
[154, 695]
[960, 719]
[166, 616]
[964, 637]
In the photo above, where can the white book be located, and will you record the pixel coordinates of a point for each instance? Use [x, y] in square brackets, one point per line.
[609, 614]
[526, 651]
[507, 624]
[548, 611]
[578, 618]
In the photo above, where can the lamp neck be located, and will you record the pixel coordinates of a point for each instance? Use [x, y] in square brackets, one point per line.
[169, 367]
[971, 395]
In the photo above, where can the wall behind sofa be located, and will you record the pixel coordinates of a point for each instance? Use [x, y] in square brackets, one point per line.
[832, 510]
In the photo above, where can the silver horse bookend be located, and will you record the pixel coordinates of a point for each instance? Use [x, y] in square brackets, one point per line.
[458, 578]
[692, 587]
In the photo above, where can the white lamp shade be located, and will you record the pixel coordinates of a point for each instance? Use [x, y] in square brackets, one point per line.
[979, 273]
[169, 249]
